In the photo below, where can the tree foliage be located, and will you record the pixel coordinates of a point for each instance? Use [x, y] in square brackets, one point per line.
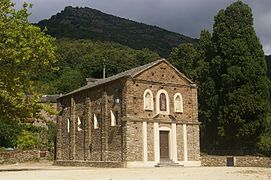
[238, 69]
[9, 131]
[183, 58]
[230, 67]
[26, 140]
[25, 52]
[80, 59]
[51, 134]
[268, 63]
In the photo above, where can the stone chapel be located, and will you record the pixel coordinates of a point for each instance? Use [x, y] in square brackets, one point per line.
[143, 117]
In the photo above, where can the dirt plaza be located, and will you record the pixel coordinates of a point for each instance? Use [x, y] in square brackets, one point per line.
[46, 171]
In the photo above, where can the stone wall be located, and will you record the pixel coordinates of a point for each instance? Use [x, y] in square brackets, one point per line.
[213, 160]
[180, 145]
[193, 146]
[239, 161]
[124, 141]
[150, 141]
[154, 79]
[100, 164]
[10, 157]
[134, 141]
[252, 161]
[84, 142]
[164, 77]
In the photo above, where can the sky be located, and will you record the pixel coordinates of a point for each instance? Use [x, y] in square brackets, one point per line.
[187, 17]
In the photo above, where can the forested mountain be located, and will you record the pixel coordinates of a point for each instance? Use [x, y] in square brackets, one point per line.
[87, 23]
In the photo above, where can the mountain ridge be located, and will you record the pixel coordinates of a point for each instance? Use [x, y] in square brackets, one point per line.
[88, 23]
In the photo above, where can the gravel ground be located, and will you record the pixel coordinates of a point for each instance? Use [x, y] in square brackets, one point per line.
[45, 171]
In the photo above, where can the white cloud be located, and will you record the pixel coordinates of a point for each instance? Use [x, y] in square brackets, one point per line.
[267, 49]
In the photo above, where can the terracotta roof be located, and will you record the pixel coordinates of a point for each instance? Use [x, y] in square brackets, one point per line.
[129, 73]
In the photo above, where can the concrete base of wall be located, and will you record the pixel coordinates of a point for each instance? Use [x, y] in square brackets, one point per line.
[152, 164]
[115, 164]
[100, 164]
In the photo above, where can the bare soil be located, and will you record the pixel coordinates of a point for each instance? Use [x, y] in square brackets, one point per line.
[46, 171]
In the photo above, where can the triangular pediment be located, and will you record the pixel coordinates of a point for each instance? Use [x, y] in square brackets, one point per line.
[163, 72]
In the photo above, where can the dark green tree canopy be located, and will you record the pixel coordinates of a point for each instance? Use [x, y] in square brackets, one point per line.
[238, 69]
[230, 68]
[183, 58]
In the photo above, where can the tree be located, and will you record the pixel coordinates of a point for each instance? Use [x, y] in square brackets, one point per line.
[239, 82]
[229, 67]
[183, 58]
[25, 53]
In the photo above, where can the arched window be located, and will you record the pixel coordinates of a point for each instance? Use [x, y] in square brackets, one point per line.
[162, 103]
[113, 119]
[79, 124]
[148, 100]
[178, 103]
[68, 125]
[95, 122]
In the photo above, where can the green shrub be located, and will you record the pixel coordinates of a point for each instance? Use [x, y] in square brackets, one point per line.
[27, 140]
[264, 144]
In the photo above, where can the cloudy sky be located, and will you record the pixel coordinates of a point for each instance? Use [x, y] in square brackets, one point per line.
[188, 17]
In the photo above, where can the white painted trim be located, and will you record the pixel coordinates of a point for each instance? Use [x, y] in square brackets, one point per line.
[158, 102]
[175, 103]
[113, 118]
[145, 143]
[145, 92]
[156, 142]
[185, 157]
[174, 142]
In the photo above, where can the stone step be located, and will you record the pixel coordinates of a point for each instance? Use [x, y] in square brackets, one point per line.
[168, 163]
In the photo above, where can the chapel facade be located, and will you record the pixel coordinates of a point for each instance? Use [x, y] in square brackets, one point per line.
[139, 118]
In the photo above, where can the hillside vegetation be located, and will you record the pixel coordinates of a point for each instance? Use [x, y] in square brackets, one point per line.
[80, 59]
[87, 23]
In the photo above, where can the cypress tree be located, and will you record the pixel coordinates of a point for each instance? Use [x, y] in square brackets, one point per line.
[238, 85]
[183, 58]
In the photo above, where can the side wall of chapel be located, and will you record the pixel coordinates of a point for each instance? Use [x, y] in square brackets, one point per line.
[81, 140]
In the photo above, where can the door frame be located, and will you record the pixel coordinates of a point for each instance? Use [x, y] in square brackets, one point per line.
[169, 141]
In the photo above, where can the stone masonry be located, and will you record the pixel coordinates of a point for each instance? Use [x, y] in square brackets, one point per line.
[106, 121]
